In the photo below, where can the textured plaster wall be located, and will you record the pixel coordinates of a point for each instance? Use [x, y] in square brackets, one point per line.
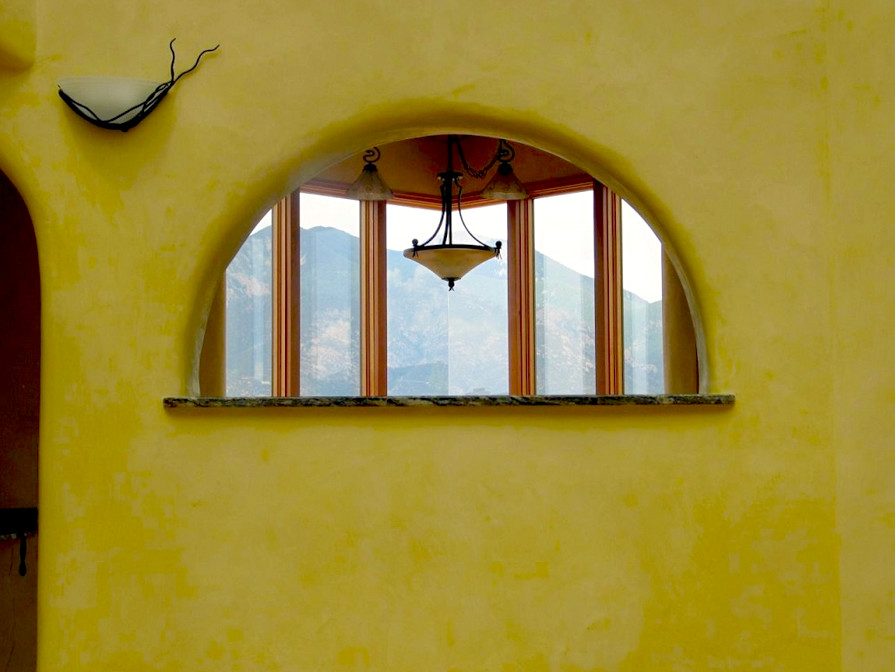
[756, 135]
[861, 109]
[18, 33]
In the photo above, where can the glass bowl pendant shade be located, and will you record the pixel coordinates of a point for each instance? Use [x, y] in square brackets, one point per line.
[452, 262]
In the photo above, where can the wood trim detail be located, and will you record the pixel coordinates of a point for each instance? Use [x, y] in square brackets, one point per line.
[339, 189]
[285, 301]
[608, 291]
[552, 187]
[521, 295]
[560, 185]
[374, 303]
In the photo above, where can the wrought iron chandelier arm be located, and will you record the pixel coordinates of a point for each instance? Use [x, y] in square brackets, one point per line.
[463, 221]
[432, 237]
[447, 192]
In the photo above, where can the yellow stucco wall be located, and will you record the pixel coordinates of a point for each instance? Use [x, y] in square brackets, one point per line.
[757, 135]
[18, 33]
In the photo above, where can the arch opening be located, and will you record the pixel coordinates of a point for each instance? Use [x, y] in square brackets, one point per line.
[19, 427]
[670, 326]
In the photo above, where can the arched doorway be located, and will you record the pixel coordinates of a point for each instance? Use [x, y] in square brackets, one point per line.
[19, 414]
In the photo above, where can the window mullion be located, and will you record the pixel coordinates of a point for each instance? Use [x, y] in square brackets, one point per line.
[374, 316]
[520, 288]
[285, 300]
[608, 291]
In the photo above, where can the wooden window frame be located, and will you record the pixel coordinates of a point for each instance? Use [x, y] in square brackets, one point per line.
[608, 293]
[374, 300]
[521, 296]
[609, 347]
[608, 296]
[286, 295]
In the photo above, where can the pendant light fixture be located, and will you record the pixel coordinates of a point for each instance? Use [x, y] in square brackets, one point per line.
[369, 186]
[448, 260]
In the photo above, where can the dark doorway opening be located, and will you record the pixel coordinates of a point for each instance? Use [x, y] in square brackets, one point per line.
[19, 424]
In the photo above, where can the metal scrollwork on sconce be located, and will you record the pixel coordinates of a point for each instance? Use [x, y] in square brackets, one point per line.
[119, 103]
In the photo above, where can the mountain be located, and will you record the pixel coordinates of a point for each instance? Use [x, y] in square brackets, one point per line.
[439, 342]
[248, 291]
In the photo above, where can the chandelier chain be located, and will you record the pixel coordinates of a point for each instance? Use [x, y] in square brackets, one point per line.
[504, 153]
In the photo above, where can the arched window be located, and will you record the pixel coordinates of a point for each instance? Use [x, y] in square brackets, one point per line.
[321, 301]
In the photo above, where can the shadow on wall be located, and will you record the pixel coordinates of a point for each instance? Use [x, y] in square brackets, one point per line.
[19, 410]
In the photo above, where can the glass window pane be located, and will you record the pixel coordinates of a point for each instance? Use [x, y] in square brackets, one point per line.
[330, 296]
[442, 342]
[248, 289]
[564, 294]
[642, 305]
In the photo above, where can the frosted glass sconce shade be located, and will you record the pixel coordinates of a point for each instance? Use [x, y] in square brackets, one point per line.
[119, 103]
[369, 186]
[113, 101]
[504, 186]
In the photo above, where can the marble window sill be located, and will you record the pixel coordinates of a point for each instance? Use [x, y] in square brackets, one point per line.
[474, 400]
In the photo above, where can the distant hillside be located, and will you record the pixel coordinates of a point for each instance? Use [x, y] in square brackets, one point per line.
[248, 317]
[427, 352]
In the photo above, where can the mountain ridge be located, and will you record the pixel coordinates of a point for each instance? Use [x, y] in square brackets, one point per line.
[427, 354]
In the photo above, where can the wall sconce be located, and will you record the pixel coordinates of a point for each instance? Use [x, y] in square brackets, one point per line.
[119, 103]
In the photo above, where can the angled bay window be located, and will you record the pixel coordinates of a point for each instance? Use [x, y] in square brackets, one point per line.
[330, 333]
[442, 342]
[574, 306]
[248, 307]
[642, 308]
[564, 294]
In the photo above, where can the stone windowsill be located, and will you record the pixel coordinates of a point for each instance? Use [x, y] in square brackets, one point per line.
[472, 400]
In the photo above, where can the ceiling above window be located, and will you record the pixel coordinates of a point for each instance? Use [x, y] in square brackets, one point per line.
[410, 167]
